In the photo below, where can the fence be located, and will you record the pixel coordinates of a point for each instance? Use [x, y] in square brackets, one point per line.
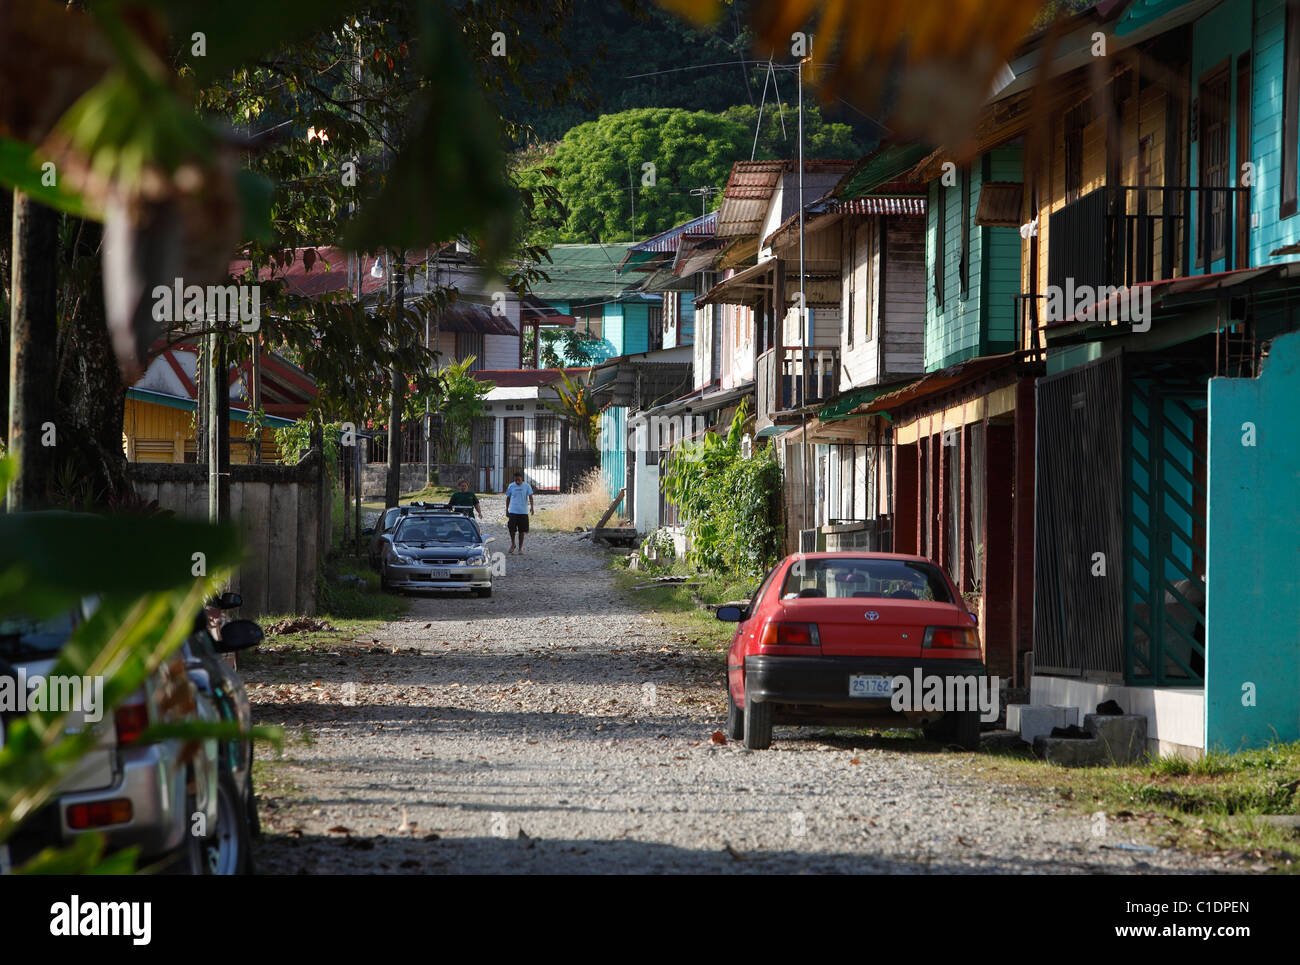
[283, 515]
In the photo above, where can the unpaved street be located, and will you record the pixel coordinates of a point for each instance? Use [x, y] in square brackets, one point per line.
[554, 728]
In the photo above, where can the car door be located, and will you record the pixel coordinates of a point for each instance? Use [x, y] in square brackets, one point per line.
[744, 639]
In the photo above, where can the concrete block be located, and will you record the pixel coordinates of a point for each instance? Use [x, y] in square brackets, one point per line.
[1114, 740]
[1071, 752]
[1033, 720]
[1124, 736]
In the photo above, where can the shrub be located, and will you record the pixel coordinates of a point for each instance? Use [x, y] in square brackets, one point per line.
[727, 500]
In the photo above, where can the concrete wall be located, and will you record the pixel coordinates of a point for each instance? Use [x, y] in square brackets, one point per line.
[1252, 573]
[374, 476]
[1175, 715]
[283, 514]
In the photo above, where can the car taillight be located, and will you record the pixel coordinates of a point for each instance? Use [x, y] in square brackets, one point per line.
[791, 635]
[131, 721]
[951, 638]
[98, 814]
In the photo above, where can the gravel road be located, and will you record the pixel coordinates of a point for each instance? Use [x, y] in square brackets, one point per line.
[555, 728]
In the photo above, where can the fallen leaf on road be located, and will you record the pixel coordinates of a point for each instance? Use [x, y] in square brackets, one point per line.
[427, 625]
[718, 737]
[855, 761]
[340, 829]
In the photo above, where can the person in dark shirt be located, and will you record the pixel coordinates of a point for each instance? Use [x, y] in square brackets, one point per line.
[465, 498]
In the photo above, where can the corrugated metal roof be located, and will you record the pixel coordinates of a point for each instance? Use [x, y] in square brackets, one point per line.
[876, 205]
[887, 162]
[474, 318]
[520, 378]
[937, 382]
[750, 187]
[668, 240]
[584, 271]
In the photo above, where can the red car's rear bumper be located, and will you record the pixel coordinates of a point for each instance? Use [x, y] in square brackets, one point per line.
[822, 681]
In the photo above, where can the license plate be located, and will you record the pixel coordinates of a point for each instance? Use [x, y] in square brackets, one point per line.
[870, 685]
[440, 575]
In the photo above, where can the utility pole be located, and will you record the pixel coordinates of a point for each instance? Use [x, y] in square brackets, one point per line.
[218, 439]
[803, 314]
[428, 442]
[397, 281]
[33, 350]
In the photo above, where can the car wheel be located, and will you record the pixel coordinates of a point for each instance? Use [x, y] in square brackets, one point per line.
[383, 579]
[735, 718]
[758, 724]
[484, 593]
[189, 859]
[966, 729]
[226, 848]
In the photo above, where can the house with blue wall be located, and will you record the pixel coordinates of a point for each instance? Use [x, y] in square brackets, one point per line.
[590, 292]
[1165, 206]
[593, 296]
[961, 434]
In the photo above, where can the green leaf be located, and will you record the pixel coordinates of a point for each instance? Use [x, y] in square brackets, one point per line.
[238, 31]
[48, 559]
[20, 168]
[449, 177]
[255, 193]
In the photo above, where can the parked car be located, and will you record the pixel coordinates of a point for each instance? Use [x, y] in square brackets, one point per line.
[146, 795]
[384, 526]
[140, 795]
[826, 634]
[209, 658]
[437, 551]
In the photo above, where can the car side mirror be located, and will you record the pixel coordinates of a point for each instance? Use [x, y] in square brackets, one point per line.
[368, 531]
[239, 635]
[731, 614]
[229, 601]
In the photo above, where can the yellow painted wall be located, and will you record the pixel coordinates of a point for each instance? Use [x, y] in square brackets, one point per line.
[160, 433]
[1140, 115]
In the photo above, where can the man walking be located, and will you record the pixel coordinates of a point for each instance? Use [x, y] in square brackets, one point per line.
[519, 503]
[465, 498]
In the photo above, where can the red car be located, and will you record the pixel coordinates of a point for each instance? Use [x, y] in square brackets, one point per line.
[827, 634]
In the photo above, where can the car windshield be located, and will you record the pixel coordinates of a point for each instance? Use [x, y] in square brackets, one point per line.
[441, 530]
[23, 637]
[860, 577]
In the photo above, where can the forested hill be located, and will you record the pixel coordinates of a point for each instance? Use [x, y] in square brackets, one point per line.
[699, 70]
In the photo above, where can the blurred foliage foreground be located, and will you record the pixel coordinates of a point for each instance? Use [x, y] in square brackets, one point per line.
[150, 577]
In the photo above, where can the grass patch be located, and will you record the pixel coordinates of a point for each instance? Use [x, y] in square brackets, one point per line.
[350, 591]
[353, 610]
[1210, 805]
[582, 507]
[429, 494]
[271, 779]
[678, 605]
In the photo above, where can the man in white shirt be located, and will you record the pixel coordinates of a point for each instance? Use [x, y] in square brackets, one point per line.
[519, 503]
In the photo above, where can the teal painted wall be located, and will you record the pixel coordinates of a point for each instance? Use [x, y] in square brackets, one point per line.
[980, 321]
[613, 448]
[1253, 566]
[635, 327]
[1266, 147]
[1225, 32]
[1072, 356]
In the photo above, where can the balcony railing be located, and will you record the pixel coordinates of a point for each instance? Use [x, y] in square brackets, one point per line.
[1112, 236]
[780, 379]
